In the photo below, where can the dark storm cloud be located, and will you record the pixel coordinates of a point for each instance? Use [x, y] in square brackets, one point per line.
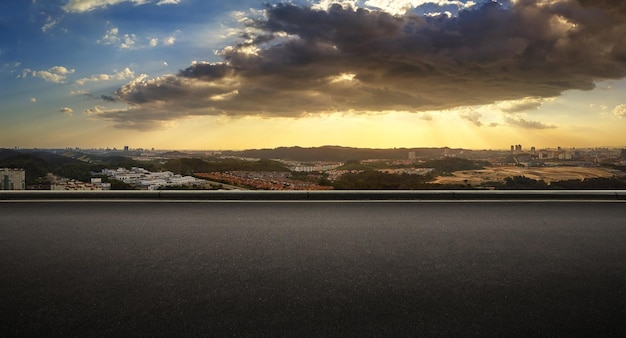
[615, 6]
[206, 71]
[108, 98]
[306, 61]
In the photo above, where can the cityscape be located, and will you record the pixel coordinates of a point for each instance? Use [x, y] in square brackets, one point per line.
[318, 168]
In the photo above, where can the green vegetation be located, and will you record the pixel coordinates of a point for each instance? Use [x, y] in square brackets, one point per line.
[118, 185]
[616, 167]
[521, 183]
[36, 164]
[379, 180]
[370, 178]
[336, 153]
[525, 183]
[448, 165]
[318, 178]
[591, 183]
[80, 172]
[443, 166]
[187, 166]
[355, 165]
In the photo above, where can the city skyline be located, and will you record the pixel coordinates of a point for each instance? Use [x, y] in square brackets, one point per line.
[190, 74]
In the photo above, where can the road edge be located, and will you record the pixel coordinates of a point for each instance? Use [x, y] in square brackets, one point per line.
[304, 195]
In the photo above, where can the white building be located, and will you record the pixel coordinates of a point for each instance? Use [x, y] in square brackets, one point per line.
[150, 180]
[12, 179]
[316, 167]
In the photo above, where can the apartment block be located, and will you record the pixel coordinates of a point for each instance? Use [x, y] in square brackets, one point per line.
[12, 179]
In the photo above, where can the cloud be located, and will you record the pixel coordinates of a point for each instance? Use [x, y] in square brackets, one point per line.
[425, 117]
[620, 111]
[522, 123]
[131, 41]
[608, 5]
[94, 111]
[168, 2]
[10, 67]
[124, 74]
[168, 41]
[108, 98]
[67, 111]
[293, 62]
[472, 116]
[50, 22]
[89, 5]
[117, 115]
[515, 106]
[61, 70]
[398, 7]
[56, 74]
[112, 37]
[79, 92]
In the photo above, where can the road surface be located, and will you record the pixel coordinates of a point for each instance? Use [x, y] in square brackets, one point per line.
[305, 268]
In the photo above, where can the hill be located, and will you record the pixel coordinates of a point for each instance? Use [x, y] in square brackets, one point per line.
[70, 164]
[36, 163]
[336, 153]
[8, 153]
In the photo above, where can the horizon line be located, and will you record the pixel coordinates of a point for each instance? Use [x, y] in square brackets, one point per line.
[121, 149]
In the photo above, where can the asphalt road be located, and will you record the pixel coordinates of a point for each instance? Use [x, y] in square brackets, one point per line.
[359, 269]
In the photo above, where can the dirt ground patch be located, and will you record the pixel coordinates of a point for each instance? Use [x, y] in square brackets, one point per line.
[548, 174]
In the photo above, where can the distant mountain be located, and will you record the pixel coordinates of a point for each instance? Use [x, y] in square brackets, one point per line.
[8, 153]
[36, 163]
[337, 153]
[50, 159]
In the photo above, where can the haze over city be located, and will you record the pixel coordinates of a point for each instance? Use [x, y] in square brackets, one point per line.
[192, 74]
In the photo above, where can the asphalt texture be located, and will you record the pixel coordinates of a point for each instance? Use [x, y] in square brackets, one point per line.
[312, 269]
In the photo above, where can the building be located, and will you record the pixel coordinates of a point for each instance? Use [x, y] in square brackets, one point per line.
[97, 181]
[145, 179]
[12, 179]
[316, 167]
[68, 184]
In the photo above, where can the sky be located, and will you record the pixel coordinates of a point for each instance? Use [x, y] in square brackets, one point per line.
[239, 74]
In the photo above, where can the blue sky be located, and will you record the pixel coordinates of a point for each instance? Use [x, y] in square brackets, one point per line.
[191, 74]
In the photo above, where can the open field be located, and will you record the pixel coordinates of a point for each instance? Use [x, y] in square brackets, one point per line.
[548, 174]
